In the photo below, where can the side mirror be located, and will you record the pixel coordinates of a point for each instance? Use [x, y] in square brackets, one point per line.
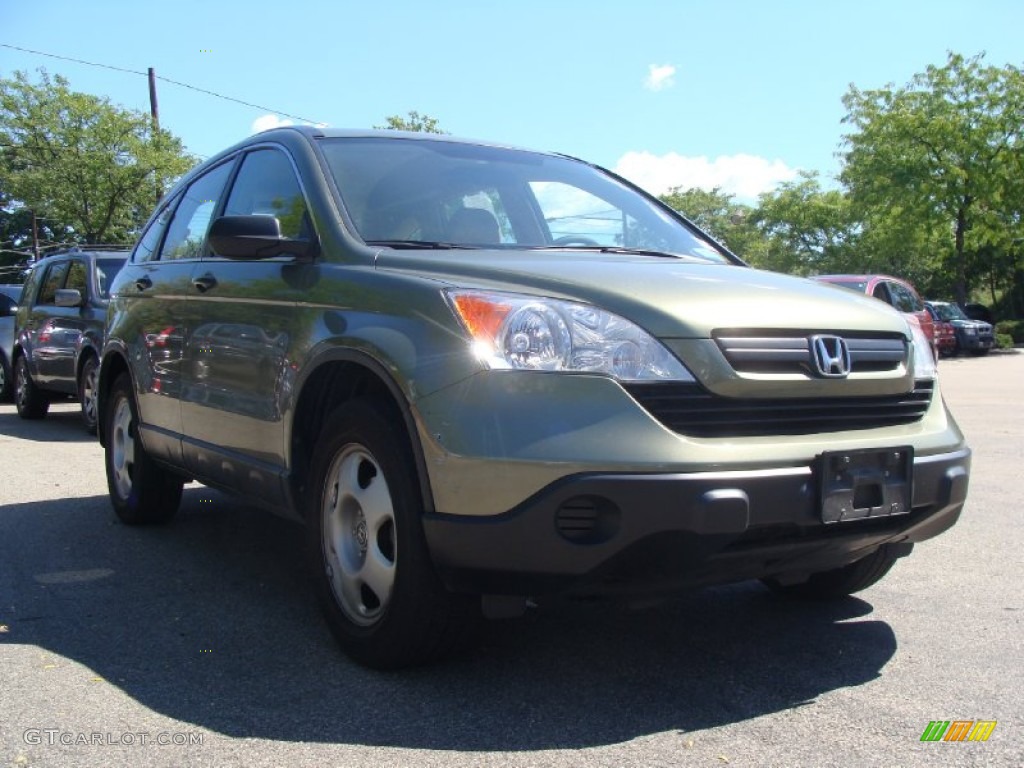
[254, 237]
[68, 297]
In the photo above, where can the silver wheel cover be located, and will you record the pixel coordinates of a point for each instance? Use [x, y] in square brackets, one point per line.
[358, 535]
[122, 449]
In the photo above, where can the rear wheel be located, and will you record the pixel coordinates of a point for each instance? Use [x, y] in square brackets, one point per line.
[372, 572]
[141, 491]
[5, 379]
[87, 394]
[840, 582]
[31, 402]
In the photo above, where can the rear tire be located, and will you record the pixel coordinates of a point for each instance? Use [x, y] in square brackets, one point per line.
[87, 394]
[141, 491]
[6, 374]
[31, 402]
[841, 582]
[367, 554]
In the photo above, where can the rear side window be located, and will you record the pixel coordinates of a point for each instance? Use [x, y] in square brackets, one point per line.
[150, 240]
[54, 279]
[105, 271]
[266, 186]
[187, 232]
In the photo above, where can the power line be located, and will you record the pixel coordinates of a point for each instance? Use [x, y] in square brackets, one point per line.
[165, 79]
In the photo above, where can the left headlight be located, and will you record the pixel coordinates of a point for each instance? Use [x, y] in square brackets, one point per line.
[512, 331]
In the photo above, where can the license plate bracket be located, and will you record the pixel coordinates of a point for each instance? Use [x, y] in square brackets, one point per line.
[868, 483]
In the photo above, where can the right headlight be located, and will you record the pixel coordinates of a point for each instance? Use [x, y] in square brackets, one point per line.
[513, 331]
[924, 360]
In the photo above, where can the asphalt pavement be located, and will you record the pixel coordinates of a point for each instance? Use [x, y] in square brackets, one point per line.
[199, 644]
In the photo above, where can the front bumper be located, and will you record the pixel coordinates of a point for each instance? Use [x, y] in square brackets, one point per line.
[605, 533]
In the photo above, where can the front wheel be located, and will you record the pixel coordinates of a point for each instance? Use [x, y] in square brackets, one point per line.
[841, 582]
[368, 557]
[31, 402]
[141, 491]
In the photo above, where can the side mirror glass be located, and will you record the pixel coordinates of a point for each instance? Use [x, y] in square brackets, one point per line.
[68, 297]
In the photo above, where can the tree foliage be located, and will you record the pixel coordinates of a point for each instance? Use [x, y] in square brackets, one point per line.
[413, 121]
[808, 230]
[945, 151]
[717, 214]
[77, 159]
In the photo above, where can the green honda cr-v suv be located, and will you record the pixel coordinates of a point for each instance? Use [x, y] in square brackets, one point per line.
[483, 375]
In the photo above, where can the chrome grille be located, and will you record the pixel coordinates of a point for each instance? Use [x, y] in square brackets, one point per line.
[689, 409]
[768, 353]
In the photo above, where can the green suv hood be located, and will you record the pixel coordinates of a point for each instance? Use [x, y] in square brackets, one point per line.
[669, 297]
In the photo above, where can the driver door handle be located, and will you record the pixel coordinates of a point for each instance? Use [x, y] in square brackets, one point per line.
[204, 283]
[143, 283]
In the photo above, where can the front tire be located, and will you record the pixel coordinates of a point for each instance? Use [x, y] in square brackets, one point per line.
[31, 402]
[141, 491]
[368, 557]
[842, 582]
[87, 394]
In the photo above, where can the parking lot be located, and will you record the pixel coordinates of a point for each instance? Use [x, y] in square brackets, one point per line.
[198, 643]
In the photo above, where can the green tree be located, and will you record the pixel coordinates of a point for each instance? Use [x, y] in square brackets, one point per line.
[945, 150]
[808, 230]
[720, 216]
[414, 121]
[76, 158]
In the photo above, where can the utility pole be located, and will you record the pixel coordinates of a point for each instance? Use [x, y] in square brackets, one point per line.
[154, 111]
[35, 238]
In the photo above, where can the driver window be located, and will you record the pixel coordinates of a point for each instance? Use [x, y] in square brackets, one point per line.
[78, 278]
[54, 280]
[266, 186]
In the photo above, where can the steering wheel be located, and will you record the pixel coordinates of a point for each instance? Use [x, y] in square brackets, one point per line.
[574, 240]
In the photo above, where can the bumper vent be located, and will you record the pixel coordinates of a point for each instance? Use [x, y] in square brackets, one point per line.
[691, 410]
[765, 353]
[587, 519]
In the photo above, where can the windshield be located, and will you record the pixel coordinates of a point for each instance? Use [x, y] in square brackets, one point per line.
[950, 312]
[423, 193]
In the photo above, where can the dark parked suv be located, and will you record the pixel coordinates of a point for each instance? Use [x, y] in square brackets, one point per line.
[973, 336]
[483, 376]
[59, 330]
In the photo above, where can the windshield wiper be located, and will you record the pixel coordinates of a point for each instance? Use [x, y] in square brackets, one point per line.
[420, 244]
[612, 249]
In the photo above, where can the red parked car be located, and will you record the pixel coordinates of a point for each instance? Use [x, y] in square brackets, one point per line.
[898, 293]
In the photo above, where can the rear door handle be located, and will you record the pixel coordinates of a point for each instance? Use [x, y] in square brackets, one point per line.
[204, 283]
[143, 283]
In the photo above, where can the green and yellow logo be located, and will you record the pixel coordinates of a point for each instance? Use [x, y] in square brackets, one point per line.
[958, 730]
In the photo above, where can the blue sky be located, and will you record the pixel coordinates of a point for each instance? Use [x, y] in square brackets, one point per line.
[736, 94]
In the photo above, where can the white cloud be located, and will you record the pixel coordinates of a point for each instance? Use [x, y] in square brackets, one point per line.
[745, 176]
[266, 122]
[659, 77]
